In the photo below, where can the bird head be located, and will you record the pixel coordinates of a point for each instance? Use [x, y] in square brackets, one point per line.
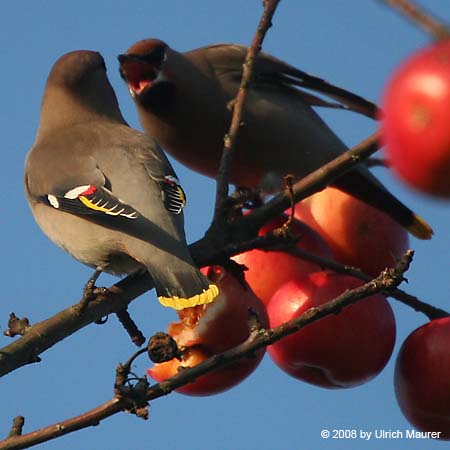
[78, 90]
[142, 68]
[77, 69]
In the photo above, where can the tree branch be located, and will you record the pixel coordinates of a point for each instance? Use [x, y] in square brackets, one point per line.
[45, 334]
[407, 299]
[418, 16]
[238, 103]
[234, 237]
[259, 338]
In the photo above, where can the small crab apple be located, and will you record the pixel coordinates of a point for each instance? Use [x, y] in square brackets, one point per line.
[358, 234]
[422, 377]
[206, 330]
[340, 350]
[415, 121]
[268, 270]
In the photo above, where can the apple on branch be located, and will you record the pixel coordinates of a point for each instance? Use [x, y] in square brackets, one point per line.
[342, 350]
[206, 330]
[268, 270]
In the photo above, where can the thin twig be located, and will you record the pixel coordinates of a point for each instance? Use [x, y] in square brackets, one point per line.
[223, 174]
[398, 294]
[377, 162]
[258, 339]
[418, 16]
[44, 335]
[130, 327]
[17, 426]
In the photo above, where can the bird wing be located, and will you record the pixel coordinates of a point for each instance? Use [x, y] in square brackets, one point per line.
[91, 200]
[270, 72]
[159, 169]
[79, 182]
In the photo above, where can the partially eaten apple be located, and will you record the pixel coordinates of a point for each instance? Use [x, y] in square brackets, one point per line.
[206, 330]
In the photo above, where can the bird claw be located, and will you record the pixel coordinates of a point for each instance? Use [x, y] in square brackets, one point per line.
[90, 291]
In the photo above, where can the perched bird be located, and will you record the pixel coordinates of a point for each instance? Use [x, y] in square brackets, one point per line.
[183, 101]
[104, 192]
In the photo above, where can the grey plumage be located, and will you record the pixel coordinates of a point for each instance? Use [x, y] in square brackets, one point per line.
[105, 192]
[183, 98]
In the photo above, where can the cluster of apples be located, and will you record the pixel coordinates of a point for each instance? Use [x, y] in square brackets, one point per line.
[352, 347]
[342, 350]
[416, 132]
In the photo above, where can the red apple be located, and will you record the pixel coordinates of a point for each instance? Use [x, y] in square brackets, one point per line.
[422, 377]
[415, 124]
[268, 270]
[338, 351]
[358, 234]
[204, 331]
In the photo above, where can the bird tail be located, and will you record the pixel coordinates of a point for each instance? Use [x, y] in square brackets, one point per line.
[371, 191]
[419, 228]
[183, 287]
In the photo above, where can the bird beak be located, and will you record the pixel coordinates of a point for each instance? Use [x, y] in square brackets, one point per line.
[140, 72]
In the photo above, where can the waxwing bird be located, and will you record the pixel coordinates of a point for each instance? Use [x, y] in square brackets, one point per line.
[104, 192]
[183, 101]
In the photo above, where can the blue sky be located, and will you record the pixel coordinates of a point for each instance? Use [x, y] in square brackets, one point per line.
[355, 44]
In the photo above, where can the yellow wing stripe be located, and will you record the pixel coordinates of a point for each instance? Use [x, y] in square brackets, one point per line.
[86, 202]
[207, 296]
[182, 195]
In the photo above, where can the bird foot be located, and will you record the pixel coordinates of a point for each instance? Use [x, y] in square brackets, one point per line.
[90, 291]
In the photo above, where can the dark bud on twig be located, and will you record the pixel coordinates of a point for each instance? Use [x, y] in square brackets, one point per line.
[254, 321]
[289, 181]
[162, 347]
[130, 327]
[17, 426]
[17, 326]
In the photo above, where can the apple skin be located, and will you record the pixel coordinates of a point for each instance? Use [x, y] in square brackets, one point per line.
[358, 234]
[268, 270]
[422, 377]
[204, 331]
[415, 122]
[338, 351]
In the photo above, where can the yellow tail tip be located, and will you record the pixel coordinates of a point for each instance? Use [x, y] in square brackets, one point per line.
[420, 229]
[175, 302]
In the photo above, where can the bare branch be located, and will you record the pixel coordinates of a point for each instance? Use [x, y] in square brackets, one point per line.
[418, 15]
[265, 23]
[259, 338]
[43, 335]
[234, 237]
[407, 299]
[130, 327]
